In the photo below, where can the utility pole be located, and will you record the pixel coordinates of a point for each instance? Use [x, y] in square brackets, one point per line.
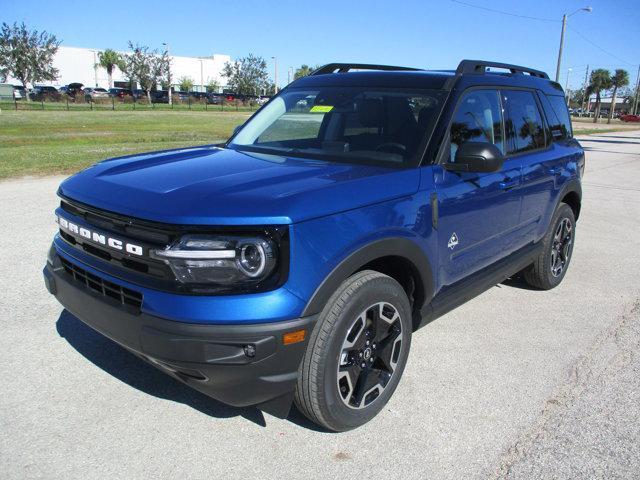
[564, 28]
[168, 72]
[635, 99]
[202, 76]
[95, 68]
[584, 92]
[275, 74]
[566, 88]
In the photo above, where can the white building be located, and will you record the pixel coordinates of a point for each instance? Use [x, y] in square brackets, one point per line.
[79, 65]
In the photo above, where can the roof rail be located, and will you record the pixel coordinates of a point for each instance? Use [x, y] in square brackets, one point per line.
[345, 67]
[480, 66]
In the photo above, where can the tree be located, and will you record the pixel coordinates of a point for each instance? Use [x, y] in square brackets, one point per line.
[186, 84]
[620, 79]
[246, 76]
[27, 54]
[270, 89]
[109, 59]
[146, 66]
[599, 80]
[213, 86]
[577, 97]
[303, 71]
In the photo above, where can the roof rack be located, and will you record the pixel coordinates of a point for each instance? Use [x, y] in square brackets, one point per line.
[345, 67]
[480, 66]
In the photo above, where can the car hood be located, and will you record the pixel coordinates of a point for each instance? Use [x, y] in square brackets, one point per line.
[214, 186]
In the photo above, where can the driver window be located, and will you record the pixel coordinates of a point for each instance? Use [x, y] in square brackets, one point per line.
[478, 118]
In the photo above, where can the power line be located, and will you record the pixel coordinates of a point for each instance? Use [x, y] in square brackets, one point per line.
[505, 13]
[584, 37]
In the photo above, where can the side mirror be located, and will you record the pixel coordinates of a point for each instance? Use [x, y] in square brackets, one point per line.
[481, 157]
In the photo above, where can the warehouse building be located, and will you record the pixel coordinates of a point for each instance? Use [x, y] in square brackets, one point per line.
[80, 65]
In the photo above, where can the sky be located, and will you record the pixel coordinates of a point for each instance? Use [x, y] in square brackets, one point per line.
[428, 34]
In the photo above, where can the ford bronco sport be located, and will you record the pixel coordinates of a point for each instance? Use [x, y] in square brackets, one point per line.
[294, 261]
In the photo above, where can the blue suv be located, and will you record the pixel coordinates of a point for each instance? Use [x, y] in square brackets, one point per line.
[293, 262]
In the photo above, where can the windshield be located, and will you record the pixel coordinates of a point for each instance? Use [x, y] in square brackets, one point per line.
[354, 125]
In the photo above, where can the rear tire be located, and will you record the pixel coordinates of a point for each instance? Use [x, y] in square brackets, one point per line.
[356, 353]
[551, 265]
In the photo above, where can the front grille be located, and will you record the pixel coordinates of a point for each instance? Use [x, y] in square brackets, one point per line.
[122, 295]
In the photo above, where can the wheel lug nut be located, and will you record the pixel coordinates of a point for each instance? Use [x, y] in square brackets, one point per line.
[363, 365]
[368, 342]
[360, 354]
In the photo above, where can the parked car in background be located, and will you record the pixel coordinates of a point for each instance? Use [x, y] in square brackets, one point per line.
[215, 98]
[630, 118]
[181, 96]
[72, 90]
[44, 93]
[160, 96]
[261, 100]
[138, 93]
[93, 94]
[120, 92]
[198, 95]
[19, 92]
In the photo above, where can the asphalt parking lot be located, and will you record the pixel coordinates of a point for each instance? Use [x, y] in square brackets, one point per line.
[516, 383]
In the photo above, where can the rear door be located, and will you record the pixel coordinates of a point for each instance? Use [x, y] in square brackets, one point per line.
[528, 140]
[478, 212]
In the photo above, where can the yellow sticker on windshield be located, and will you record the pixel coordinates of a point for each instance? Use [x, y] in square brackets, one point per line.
[321, 108]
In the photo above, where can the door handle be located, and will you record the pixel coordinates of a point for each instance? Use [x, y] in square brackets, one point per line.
[554, 171]
[509, 183]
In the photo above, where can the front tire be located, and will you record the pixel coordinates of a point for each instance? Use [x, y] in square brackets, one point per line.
[551, 265]
[356, 353]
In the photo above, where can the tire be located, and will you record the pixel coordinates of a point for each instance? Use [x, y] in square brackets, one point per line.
[551, 265]
[365, 327]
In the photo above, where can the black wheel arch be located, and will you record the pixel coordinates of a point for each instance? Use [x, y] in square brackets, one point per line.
[399, 257]
[571, 194]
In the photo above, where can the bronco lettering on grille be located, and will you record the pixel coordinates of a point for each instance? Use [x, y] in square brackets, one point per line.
[100, 238]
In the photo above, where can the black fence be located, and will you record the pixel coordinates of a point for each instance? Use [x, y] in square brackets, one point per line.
[129, 103]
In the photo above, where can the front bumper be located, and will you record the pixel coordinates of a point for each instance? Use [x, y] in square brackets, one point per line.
[240, 365]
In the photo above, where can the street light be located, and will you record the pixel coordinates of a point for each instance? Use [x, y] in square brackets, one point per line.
[168, 72]
[275, 74]
[564, 27]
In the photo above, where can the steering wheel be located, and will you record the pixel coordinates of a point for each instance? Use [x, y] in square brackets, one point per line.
[392, 146]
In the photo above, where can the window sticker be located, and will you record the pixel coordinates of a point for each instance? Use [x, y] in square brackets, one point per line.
[321, 108]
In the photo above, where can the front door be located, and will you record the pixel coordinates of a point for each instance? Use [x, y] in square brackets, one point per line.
[478, 212]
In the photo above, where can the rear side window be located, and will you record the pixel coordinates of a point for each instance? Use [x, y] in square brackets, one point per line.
[557, 116]
[477, 119]
[523, 126]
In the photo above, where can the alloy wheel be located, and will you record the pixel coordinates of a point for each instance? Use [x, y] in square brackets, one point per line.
[561, 247]
[369, 355]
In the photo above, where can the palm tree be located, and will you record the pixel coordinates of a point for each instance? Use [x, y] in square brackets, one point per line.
[620, 79]
[600, 80]
[303, 71]
[109, 59]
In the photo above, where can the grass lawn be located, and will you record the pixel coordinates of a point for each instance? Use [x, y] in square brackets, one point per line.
[46, 143]
[52, 142]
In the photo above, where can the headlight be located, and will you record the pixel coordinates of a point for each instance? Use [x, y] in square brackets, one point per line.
[224, 260]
